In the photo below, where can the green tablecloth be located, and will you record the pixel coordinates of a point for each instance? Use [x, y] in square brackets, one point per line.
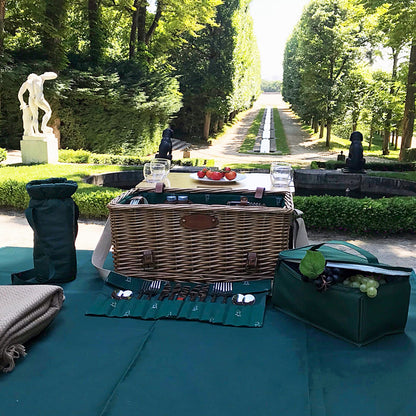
[84, 365]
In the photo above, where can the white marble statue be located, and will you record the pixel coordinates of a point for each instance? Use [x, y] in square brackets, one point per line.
[36, 100]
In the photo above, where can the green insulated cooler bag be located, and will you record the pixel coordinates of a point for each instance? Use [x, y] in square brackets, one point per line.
[355, 297]
[53, 216]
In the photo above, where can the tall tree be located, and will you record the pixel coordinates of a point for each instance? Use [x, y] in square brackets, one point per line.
[328, 39]
[2, 16]
[398, 20]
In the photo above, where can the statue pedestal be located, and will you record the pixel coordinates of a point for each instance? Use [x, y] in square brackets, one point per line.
[39, 149]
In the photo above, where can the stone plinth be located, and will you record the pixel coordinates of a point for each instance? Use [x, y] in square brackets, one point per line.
[39, 149]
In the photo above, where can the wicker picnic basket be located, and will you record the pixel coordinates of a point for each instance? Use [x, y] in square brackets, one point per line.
[201, 241]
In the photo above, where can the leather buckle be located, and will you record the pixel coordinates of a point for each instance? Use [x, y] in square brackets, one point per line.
[148, 260]
[159, 187]
[252, 262]
[259, 193]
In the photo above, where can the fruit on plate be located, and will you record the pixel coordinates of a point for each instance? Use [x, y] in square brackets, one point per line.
[231, 175]
[216, 175]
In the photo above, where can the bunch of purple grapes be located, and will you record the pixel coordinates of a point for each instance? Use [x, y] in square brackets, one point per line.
[330, 276]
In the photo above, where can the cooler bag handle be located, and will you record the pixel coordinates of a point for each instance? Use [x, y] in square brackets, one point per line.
[370, 257]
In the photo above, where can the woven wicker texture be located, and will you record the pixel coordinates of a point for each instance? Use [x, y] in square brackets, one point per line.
[213, 254]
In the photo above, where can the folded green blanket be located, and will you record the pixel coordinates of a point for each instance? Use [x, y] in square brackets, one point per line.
[24, 312]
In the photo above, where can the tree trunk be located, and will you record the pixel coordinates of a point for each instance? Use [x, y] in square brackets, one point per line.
[95, 33]
[354, 125]
[321, 129]
[328, 133]
[409, 107]
[370, 139]
[141, 24]
[315, 125]
[221, 123]
[386, 139]
[207, 125]
[396, 139]
[133, 31]
[52, 32]
[154, 24]
[2, 15]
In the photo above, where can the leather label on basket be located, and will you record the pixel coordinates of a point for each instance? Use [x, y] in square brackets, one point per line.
[199, 221]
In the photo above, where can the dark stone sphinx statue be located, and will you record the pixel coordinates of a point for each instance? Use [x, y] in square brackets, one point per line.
[355, 161]
[165, 147]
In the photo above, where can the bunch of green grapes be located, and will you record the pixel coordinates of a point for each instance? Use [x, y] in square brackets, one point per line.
[366, 284]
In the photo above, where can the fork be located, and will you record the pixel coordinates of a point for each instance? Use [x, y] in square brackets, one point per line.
[221, 289]
[153, 288]
[143, 289]
[227, 291]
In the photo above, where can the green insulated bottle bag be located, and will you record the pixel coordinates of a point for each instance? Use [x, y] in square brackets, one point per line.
[53, 216]
[354, 296]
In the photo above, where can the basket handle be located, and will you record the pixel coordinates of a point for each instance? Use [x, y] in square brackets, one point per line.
[370, 257]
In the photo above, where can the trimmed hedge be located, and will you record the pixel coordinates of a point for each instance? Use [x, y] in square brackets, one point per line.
[83, 156]
[359, 216]
[377, 166]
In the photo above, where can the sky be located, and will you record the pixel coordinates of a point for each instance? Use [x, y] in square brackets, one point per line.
[274, 21]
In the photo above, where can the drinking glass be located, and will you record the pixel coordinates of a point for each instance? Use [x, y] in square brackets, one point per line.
[165, 162]
[154, 172]
[280, 174]
[158, 171]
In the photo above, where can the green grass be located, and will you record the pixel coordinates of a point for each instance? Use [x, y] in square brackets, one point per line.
[248, 143]
[281, 142]
[337, 144]
[408, 176]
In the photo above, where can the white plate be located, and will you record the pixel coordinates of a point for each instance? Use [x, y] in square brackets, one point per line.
[238, 178]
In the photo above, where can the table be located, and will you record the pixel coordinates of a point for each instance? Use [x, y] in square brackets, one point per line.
[251, 181]
[87, 366]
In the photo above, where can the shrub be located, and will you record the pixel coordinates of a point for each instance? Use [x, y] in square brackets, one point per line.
[410, 155]
[3, 154]
[359, 216]
[74, 156]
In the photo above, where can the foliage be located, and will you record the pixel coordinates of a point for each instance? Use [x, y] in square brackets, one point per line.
[3, 154]
[384, 216]
[312, 264]
[220, 72]
[83, 156]
[120, 64]
[92, 200]
[271, 86]
[319, 58]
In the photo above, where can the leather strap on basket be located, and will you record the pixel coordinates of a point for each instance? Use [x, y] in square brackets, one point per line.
[259, 193]
[159, 187]
[199, 221]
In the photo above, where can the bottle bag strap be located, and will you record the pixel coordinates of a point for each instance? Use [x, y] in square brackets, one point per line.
[101, 251]
[369, 257]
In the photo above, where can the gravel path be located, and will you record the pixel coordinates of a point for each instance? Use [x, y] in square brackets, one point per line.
[225, 149]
